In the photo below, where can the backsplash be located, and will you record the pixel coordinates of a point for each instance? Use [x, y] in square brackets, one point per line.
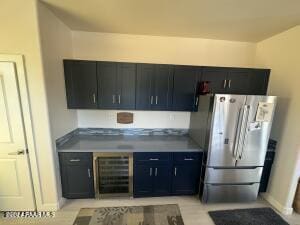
[123, 131]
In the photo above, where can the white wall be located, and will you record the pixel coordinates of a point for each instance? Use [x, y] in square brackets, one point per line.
[20, 35]
[155, 49]
[56, 44]
[142, 119]
[281, 54]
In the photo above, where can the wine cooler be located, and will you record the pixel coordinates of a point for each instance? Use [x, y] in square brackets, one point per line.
[113, 174]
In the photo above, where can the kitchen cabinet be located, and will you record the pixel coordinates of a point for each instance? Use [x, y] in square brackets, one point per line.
[162, 180]
[77, 175]
[217, 78]
[266, 171]
[81, 84]
[162, 174]
[236, 80]
[154, 87]
[185, 179]
[128, 86]
[152, 174]
[143, 182]
[184, 88]
[116, 85]
[186, 173]
[258, 84]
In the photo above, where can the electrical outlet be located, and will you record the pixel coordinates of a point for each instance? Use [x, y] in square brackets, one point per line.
[172, 117]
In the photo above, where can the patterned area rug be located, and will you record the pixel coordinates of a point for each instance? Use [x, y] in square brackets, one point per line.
[130, 215]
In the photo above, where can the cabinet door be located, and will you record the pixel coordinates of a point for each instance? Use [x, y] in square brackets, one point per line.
[144, 86]
[126, 86]
[186, 179]
[184, 88]
[107, 84]
[163, 84]
[81, 84]
[77, 175]
[266, 171]
[259, 79]
[238, 81]
[217, 78]
[143, 180]
[162, 180]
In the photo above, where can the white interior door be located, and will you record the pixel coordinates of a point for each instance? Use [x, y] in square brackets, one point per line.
[16, 192]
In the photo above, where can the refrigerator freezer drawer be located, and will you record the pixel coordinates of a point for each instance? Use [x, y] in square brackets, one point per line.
[230, 193]
[216, 175]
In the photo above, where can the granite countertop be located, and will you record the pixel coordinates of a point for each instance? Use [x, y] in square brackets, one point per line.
[129, 143]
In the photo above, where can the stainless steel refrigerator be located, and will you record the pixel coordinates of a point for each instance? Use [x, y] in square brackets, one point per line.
[233, 131]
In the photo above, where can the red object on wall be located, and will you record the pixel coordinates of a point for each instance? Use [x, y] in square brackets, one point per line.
[203, 88]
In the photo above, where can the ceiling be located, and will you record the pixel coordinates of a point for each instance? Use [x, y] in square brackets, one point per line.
[238, 20]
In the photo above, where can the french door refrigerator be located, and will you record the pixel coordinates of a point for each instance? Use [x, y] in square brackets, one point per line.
[233, 131]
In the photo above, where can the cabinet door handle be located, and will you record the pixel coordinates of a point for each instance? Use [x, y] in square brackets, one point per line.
[94, 98]
[197, 100]
[74, 160]
[151, 99]
[113, 99]
[89, 172]
[156, 99]
[175, 171]
[229, 84]
[156, 172]
[188, 159]
[150, 171]
[224, 84]
[119, 99]
[153, 159]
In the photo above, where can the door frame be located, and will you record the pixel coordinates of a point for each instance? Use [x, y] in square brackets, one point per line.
[18, 60]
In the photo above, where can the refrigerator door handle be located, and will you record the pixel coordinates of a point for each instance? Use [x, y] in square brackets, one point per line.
[237, 134]
[245, 129]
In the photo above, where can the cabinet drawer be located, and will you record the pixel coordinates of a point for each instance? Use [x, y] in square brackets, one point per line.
[153, 157]
[75, 158]
[187, 157]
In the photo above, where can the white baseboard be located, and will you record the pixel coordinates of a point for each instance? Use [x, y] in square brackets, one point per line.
[49, 207]
[282, 209]
[52, 206]
[61, 202]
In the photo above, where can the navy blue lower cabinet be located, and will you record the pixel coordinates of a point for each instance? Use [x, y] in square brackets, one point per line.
[163, 174]
[143, 180]
[162, 180]
[185, 179]
[77, 175]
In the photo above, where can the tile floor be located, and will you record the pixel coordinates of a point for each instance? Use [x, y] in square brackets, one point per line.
[193, 212]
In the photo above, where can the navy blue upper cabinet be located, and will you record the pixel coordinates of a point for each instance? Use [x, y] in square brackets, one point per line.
[217, 76]
[116, 85]
[184, 88]
[154, 87]
[258, 84]
[236, 80]
[107, 85]
[126, 85]
[81, 84]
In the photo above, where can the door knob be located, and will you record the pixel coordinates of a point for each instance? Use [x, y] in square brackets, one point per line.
[19, 152]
